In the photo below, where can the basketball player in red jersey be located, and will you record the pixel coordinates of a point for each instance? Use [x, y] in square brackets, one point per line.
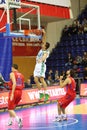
[16, 85]
[63, 102]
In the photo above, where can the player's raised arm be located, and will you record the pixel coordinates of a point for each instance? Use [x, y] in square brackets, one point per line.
[43, 36]
[64, 83]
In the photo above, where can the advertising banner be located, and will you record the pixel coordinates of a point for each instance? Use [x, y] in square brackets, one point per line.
[32, 95]
[83, 90]
[23, 47]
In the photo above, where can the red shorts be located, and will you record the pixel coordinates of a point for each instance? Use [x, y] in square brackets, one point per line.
[17, 97]
[66, 100]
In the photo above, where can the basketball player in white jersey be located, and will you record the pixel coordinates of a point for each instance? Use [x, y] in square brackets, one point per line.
[40, 67]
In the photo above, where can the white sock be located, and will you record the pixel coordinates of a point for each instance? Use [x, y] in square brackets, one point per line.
[40, 91]
[17, 118]
[10, 119]
[64, 115]
[59, 116]
[45, 92]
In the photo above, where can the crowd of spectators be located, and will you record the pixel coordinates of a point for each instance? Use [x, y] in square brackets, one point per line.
[52, 77]
[75, 28]
[75, 62]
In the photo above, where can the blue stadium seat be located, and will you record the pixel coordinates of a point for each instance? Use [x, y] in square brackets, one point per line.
[76, 44]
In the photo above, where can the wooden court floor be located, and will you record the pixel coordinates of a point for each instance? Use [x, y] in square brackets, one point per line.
[41, 117]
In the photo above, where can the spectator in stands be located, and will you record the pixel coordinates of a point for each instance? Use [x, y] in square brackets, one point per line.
[32, 79]
[76, 22]
[28, 83]
[74, 29]
[84, 59]
[84, 22]
[69, 60]
[56, 76]
[49, 80]
[70, 30]
[80, 29]
[51, 74]
[2, 81]
[76, 71]
[77, 60]
[85, 74]
[65, 31]
[85, 28]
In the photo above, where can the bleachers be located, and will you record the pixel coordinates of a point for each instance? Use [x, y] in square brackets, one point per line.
[58, 55]
[76, 44]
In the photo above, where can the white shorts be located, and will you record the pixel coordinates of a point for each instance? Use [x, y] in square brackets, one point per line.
[40, 69]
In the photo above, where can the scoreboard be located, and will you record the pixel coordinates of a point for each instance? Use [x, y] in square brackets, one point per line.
[4, 1]
[11, 3]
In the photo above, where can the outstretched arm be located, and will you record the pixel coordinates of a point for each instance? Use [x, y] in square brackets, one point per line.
[43, 36]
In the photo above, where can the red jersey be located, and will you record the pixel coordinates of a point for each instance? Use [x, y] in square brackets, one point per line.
[19, 81]
[70, 88]
[70, 94]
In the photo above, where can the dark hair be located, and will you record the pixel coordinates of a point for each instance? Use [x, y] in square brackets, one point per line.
[71, 73]
[65, 74]
[47, 45]
[15, 66]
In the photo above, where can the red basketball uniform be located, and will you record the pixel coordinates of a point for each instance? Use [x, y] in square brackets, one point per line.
[70, 94]
[18, 90]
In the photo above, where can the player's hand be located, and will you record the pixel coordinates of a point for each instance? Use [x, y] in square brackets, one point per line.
[43, 31]
[11, 96]
[61, 77]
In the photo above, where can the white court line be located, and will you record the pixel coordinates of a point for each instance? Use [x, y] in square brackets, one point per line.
[72, 123]
[53, 126]
[56, 124]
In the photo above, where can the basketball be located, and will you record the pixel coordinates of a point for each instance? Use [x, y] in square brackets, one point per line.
[32, 31]
[37, 31]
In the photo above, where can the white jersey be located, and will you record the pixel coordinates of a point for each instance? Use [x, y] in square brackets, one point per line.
[40, 55]
[40, 67]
